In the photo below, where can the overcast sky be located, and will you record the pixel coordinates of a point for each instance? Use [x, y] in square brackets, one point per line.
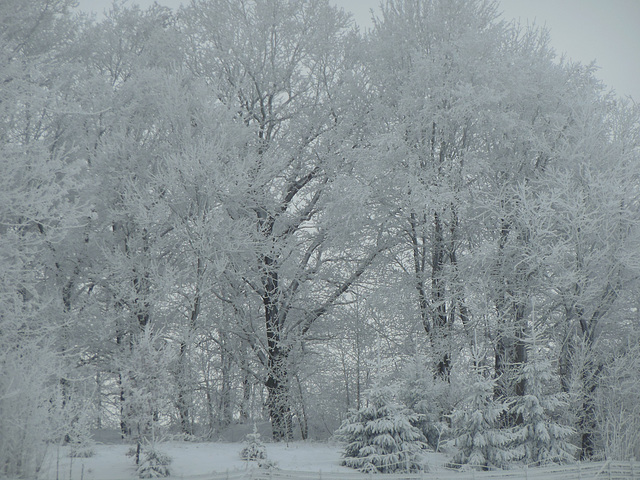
[607, 31]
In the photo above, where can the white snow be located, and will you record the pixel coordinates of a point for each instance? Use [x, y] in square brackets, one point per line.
[110, 462]
[190, 460]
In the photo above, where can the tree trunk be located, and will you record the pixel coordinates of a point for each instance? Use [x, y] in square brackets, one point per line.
[246, 390]
[588, 422]
[182, 402]
[225, 407]
[125, 429]
[433, 315]
[277, 381]
[210, 411]
[591, 369]
[418, 245]
[278, 401]
[302, 417]
[439, 300]
[510, 350]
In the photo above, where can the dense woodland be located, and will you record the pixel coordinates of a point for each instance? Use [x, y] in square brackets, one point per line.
[251, 211]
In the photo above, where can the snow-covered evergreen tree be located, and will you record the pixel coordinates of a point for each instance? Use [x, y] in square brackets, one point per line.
[427, 396]
[380, 436]
[478, 436]
[539, 439]
[153, 464]
[253, 448]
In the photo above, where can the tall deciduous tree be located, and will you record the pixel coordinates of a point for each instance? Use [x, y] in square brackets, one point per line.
[477, 105]
[127, 136]
[38, 207]
[582, 281]
[594, 212]
[281, 66]
[429, 66]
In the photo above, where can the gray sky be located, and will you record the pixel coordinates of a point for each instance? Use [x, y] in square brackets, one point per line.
[607, 31]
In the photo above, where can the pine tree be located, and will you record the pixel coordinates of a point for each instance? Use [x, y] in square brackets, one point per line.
[253, 448]
[539, 438]
[153, 464]
[428, 397]
[479, 438]
[380, 437]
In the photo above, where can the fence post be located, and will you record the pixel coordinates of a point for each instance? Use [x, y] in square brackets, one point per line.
[631, 462]
[526, 472]
[609, 468]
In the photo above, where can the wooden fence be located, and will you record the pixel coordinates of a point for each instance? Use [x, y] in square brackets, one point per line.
[579, 471]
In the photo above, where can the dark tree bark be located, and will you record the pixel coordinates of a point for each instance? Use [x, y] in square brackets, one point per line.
[226, 402]
[510, 352]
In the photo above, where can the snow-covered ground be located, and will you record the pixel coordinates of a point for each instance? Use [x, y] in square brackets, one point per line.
[190, 459]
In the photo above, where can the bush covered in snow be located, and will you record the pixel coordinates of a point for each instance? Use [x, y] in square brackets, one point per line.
[253, 448]
[153, 464]
[380, 437]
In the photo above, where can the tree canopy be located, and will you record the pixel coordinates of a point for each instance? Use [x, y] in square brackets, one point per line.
[248, 202]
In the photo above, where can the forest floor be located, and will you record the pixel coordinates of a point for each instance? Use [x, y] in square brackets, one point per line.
[192, 459]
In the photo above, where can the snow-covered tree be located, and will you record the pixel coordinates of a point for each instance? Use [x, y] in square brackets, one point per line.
[153, 464]
[538, 437]
[38, 208]
[429, 140]
[146, 392]
[617, 406]
[426, 396]
[479, 438]
[596, 191]
[380, 436]
[253, 448]
[589, 282]
[289, 83]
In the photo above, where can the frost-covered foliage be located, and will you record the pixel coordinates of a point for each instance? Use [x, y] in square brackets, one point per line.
[37, 209]
[478, 436]
[428, 397]
[82, 445]
[146, 385]
[381, 437]
[539, 439]
[26, 373]
[618, 408]
[253, 448]
[153, 463]
[189, 174]
[80, 417]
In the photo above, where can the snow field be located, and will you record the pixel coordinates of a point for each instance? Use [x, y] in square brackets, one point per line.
[198, 460]
[190, 460]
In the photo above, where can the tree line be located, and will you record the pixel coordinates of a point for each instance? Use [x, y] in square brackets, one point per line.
[246, 210]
